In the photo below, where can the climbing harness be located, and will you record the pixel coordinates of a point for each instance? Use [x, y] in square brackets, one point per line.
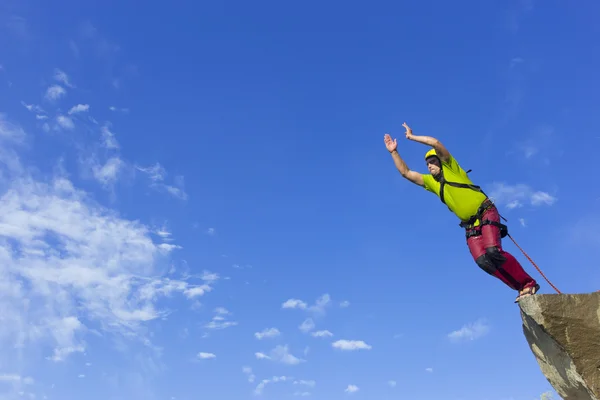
[469, 225]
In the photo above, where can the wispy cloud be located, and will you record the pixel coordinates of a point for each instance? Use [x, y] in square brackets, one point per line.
[108, 138]
[321, 334]
[79, 108]
[309, 383]
[220, 321]
[65, 122]
[157, 174]
[16, 378]
[470, 331]
[351, 389]
[80, 268]
[63, 78]
[206, 356]
[351, 345]
[55, 92]
[11, 132]
[319, 307]
[108, 173]
[33, 108]
[249, 374]
[517, 11]
[117, 109]
[280, 354]
[267, 333]
[513, 196]
[261, 386]
[307, 326]
[540, 145]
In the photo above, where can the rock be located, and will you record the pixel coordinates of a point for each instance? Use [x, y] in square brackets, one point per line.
[563, 332]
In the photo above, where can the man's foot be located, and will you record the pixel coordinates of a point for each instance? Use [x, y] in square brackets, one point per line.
[527, 292]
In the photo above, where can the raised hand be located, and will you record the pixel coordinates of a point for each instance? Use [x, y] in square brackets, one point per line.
[390, 144]
[409, 134]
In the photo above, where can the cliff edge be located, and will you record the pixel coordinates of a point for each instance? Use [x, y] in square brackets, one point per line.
[563, 332]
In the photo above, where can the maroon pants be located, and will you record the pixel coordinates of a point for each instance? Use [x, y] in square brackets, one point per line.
[487, 252]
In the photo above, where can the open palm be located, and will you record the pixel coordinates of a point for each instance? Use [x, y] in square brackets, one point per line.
[390, 144]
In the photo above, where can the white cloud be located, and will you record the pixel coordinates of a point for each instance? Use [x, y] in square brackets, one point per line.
[10, 131]
[55, 92]
[249, 374]
[261, 386]
[108, 173]
[75, 258]
[513, 196]
[351, 345]
[164, 233]
[71, 267]
[307, 326]
[123, 110]
[267, 333]
[63, 78]
[206, 356]
[322, 334]
[33, 108]
[219, 320]
[522, 222]
[304, 382]
[79, 108]
[65, 122]
[470, 331]
[540, 198]
[211, 231]
[294, 303]
[16, 378]
[261, 356]
[109, 140]
[392, 383]
[280, 354]
[429, 369]
[319, 307]
[345, 304]
[157, 174]
[352, 389]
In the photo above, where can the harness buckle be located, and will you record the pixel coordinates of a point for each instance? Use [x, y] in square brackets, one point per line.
[469, 225]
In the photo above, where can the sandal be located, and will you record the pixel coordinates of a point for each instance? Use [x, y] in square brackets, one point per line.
[528, 292]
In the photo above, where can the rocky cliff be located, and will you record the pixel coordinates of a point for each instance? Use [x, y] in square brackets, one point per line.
[563, 332]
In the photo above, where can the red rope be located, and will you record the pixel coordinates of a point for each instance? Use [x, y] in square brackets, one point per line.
[536, 267]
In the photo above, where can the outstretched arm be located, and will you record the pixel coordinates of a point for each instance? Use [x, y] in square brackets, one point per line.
[412, 176]
[440, 149]
[406, 172]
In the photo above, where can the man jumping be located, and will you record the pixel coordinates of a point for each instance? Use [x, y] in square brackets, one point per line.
[478, 214]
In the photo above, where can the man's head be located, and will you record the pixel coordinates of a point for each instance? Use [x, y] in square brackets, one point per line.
[434, 164]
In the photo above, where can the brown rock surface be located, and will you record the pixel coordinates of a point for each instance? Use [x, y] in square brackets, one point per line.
[563, 332]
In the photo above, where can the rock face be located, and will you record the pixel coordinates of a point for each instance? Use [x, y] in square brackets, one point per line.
[563, 332]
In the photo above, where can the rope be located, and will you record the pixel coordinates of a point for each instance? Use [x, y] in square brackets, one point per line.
[536, 267]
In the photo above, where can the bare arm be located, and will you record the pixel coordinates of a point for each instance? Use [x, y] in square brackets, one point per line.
[440, 149]
[412, 176]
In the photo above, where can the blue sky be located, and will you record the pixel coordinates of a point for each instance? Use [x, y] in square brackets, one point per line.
[196, 200]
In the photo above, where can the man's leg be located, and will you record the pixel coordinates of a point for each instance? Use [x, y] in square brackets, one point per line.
[482, 258]
[506, 266]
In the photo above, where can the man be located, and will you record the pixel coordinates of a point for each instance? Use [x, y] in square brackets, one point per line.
[478, 215]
